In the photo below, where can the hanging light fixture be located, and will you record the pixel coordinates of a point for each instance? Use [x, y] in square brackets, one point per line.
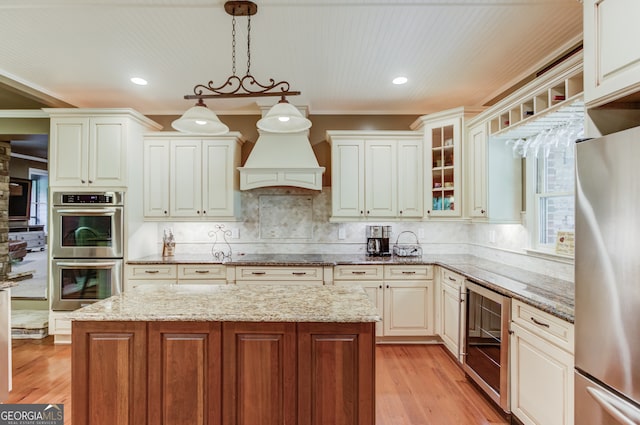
[282, 118]
[200, 120]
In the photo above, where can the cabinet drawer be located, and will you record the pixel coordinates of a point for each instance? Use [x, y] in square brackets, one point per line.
[450, 278]
[278, 273]
[551, 328]
[158, 271]
[358, 272]
[202, 271]
[419, 272]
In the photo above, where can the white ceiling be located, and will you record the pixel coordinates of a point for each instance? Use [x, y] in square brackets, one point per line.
[341, 55]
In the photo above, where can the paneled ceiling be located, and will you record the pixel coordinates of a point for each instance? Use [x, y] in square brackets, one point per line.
[342, 55]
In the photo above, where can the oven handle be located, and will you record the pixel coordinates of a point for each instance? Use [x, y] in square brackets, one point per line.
[102, 264]
[92, 211]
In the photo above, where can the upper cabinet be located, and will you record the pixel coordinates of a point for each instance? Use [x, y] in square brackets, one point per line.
[494, 169]
[376, 174]
[187, 177]
[477, 166]
[93, 148]
[611, 60]
[443, 137]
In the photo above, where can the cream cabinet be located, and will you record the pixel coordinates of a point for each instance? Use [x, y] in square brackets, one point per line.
[611, 62]
[443, 139]
[94, 147]
[60, 327]
[288, 275]
[202, 273]
[188, 178]
[495, 177]
[410, 178]
[156, 178]
[171, 274]
[150, 274]
[375, 174]
[542, 367]
[451, 323]
[477, 166]
[403, 295]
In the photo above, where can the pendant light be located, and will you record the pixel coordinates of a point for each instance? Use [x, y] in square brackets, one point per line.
[200, 120]
[282, 118]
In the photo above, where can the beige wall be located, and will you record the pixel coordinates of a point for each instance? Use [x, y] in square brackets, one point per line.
[20, 167]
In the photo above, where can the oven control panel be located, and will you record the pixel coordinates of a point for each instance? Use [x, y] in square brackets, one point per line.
[83, 198]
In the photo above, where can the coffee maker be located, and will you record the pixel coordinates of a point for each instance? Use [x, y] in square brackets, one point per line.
[378, 240]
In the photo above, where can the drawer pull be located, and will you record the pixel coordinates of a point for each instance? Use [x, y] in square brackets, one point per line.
[258, 273]
[358, 272]
[298, 273]
[539, 323]
[152, 271]
[202, 271]
[406, 272]
[453, 279]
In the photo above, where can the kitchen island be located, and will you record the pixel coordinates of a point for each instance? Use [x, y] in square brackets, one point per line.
[225, 354]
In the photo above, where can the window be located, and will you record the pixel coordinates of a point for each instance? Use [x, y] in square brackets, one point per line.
[39, 190]
[553, 200]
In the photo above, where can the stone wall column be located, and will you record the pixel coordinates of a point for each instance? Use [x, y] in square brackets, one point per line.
[5, 154]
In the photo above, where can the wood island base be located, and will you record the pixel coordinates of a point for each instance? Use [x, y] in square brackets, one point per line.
[222, 373]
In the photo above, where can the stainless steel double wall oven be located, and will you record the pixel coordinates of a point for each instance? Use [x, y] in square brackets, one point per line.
[87, 240]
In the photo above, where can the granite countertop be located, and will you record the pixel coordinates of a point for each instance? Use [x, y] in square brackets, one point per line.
[555, 296]
[235, 303]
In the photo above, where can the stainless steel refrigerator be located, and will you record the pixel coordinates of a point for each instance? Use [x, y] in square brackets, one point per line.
[607, 276]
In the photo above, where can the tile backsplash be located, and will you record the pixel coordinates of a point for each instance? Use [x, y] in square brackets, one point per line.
[291, 220]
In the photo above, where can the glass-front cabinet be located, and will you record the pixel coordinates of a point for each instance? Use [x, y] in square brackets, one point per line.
[443, 166]
[443, 162]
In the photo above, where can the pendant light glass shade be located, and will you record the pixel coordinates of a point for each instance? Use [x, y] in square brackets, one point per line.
[200, 120]
[283, 117]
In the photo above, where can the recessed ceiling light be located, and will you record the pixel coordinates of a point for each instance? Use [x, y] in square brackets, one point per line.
[400, 80]
[139, 81]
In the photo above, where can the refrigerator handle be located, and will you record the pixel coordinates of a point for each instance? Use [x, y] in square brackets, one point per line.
[621, 411]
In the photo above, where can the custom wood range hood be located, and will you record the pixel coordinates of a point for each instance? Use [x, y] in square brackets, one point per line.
[282, 159]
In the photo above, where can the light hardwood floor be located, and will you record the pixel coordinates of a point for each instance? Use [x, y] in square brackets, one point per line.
[415, 384]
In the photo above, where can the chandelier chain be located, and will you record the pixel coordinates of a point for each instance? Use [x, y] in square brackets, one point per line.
[249, 44]
[233, 44]
[245, 86]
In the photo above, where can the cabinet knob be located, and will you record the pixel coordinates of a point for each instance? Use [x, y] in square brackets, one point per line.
[428, 211]
[367, 212]
[380, 286]
[165, 212]
[204, 212]
[361, 212]
[482, 211]
[401, 212]
[90, 181]
[387, 286]
[82, 181]
[198, 212]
